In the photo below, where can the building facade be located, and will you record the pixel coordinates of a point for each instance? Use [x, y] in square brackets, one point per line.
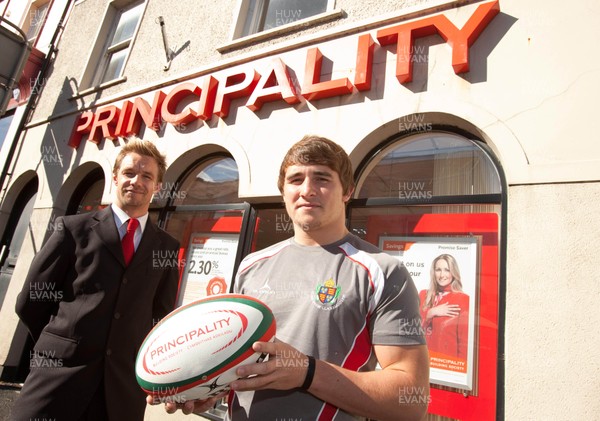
[468, 124]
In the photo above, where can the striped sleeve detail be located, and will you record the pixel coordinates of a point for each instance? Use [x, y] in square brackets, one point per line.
[357, 357]
[255, 257]
[375, 274]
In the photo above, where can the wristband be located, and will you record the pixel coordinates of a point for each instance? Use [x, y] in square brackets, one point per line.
[310, 373]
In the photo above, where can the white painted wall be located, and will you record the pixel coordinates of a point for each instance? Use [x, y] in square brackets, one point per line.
[531, 94]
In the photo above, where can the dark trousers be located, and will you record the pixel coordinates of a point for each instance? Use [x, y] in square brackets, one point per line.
[49, 395]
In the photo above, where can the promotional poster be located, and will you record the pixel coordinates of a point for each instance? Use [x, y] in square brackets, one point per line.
[444, 270]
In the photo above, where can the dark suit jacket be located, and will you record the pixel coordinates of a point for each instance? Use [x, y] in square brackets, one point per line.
[89, 315]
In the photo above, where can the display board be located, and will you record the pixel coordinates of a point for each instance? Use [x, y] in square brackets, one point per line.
[209, 248]
[468, 393]
[450, 337]
[208, 265]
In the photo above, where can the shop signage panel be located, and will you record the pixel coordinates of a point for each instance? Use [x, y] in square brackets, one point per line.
[211, 95]
[451, 350]
[469, 397]
[208, 266]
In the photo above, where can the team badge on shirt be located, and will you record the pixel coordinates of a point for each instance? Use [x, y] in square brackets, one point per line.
[328, 292]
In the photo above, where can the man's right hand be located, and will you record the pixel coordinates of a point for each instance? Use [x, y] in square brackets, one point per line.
[189, 407]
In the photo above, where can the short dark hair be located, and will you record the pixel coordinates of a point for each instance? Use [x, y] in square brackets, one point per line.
[317, 150]
[144, 148]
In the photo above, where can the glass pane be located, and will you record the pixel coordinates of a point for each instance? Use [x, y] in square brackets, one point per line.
[209, 245]
[127, 21]
[253, 13]
[22, 229]
[453, 260]
[115, 65]
[4, 126]
[428, 165]
[272, 226]
[369, 223]
[180, 223]
[211, 182]
[281, 12]
[92, 198]
[37, 16]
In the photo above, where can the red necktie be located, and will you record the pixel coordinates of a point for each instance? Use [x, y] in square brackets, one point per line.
[127, 241]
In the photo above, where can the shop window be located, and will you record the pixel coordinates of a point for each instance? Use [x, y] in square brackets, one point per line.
[206, 215]
[208, 218]
[213, 181]
[272, 226]
[87, 197]
[5, 122]
[35, 19]
[262, 15]
[428, 166]
[118, 30]
[17, 229]
[434, 201]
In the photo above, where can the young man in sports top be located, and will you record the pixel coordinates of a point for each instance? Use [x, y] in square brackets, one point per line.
[341, 307]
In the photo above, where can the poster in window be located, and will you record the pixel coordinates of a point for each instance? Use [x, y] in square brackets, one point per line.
[209, 265]
[444, 270]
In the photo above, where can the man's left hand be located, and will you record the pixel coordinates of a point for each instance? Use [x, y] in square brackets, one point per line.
[285, 368]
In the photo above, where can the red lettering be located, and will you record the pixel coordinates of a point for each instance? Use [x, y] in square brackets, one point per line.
[214, 96]
[82, 126]
[106, 119]
[207, 99]
[460, 40]
[364, 63]
[465, 38]
[273, 85]
[175, 96]
[235, 86]
[124, 116]
[141, 111]
[312, 88]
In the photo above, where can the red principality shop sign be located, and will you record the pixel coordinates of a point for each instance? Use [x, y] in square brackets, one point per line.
[214, 94]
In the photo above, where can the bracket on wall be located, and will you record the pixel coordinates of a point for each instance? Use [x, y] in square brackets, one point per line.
[168, 52]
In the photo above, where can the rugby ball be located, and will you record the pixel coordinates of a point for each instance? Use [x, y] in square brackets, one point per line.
[193, 352]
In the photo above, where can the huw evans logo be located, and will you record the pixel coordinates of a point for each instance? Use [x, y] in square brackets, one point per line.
[414, 123]
[44, 291]
[285, 16]
[51, 155]
[44, 359]
[414, 190]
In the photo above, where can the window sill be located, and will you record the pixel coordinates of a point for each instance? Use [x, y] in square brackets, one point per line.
[280, 30]
[100, 87]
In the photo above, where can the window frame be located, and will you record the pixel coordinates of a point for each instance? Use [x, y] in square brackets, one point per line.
[27, 26]
[99, 59]
[485, 391]
[239, 40]
[83, 189]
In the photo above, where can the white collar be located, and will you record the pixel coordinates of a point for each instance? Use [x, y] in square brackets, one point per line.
[121, 217]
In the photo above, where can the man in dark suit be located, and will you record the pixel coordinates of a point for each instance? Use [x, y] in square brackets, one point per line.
[89, 310]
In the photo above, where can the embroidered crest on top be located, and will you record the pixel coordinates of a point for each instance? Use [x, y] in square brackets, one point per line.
[328, 292]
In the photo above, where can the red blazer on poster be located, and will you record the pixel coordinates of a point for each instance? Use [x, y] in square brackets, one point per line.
[445, 334]
[445, 309]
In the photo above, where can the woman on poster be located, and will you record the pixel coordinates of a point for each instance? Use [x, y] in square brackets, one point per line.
[445, 309]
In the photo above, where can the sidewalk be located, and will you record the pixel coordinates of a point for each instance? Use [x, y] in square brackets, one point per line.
[8, 394]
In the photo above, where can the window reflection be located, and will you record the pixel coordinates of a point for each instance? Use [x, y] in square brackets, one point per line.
[211, 182]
